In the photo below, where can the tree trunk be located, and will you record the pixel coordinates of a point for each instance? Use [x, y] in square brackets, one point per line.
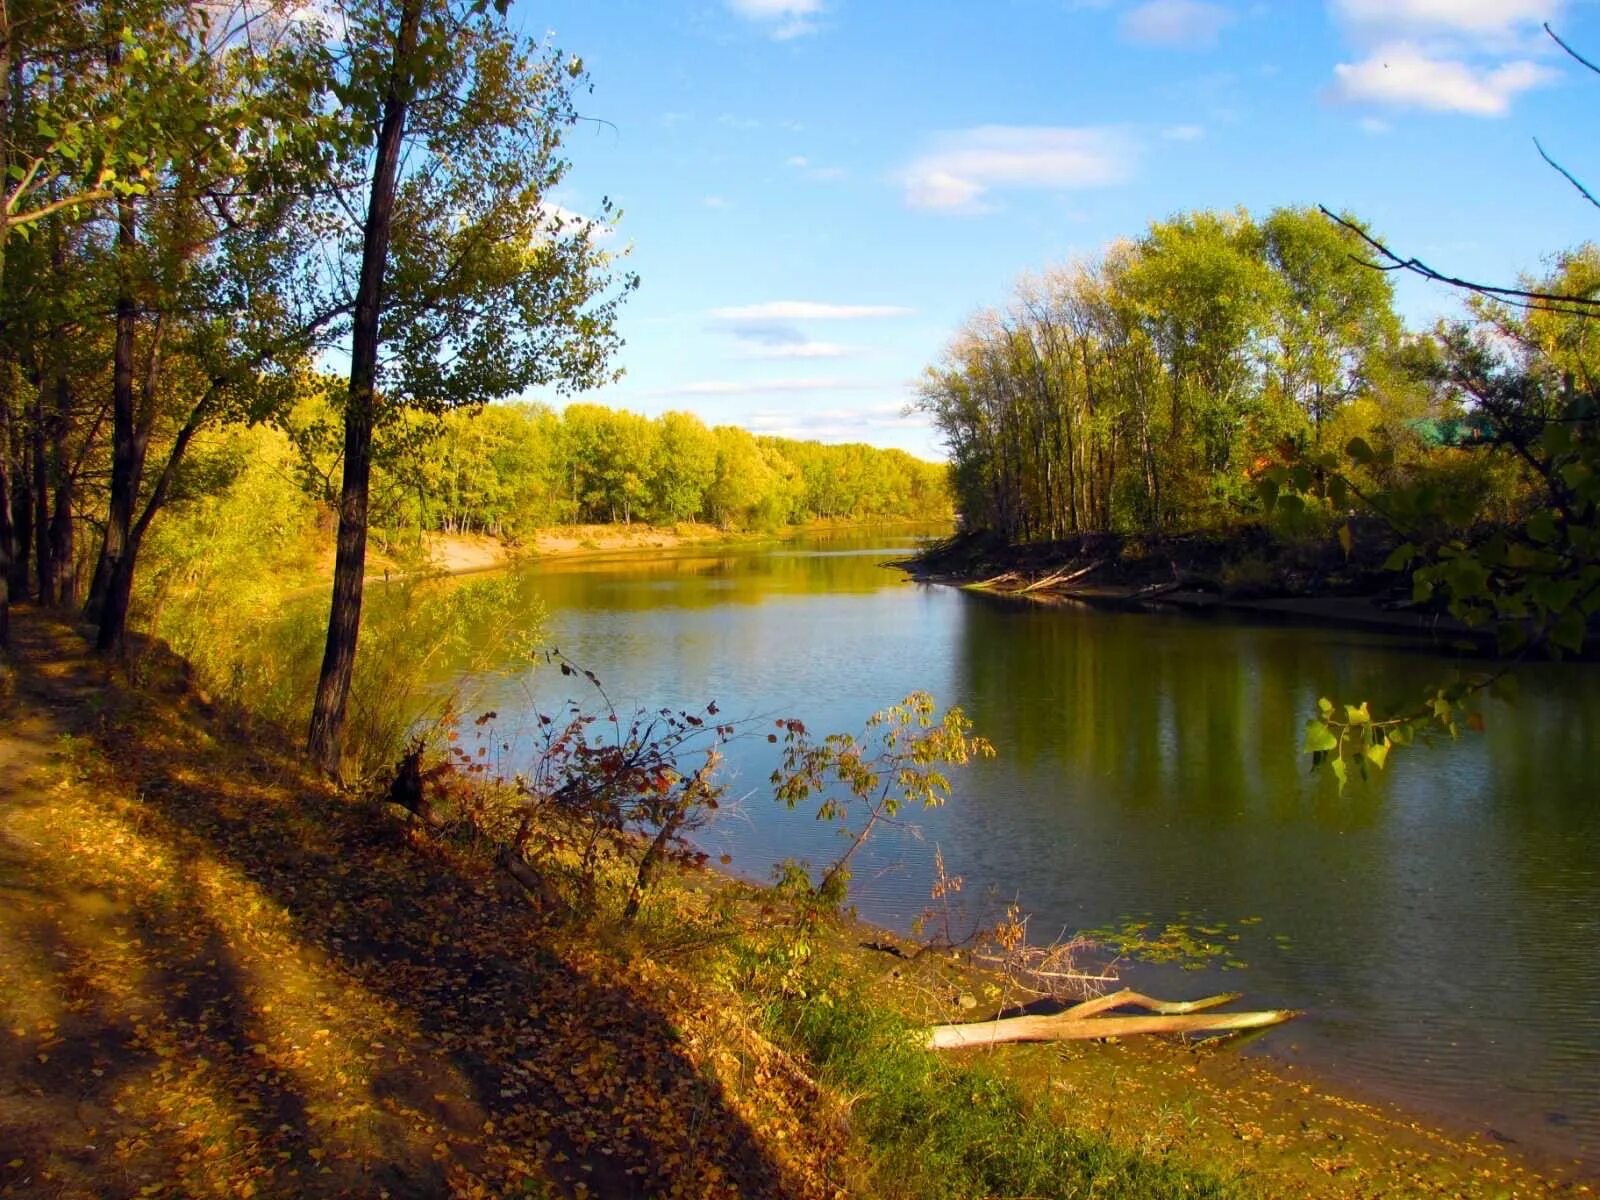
[127, 460]
[7, 530]
[21, 514]
[325, 738]
[43, 551]
[119, 590]
[63, 539]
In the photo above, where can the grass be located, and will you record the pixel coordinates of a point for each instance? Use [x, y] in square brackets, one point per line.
[940, 1129]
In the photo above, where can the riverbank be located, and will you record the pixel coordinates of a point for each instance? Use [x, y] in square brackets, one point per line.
[1248, 571]
[230, 975]
[465, 554]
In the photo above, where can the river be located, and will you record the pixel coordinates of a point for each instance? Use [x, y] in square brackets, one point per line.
[1439, 923]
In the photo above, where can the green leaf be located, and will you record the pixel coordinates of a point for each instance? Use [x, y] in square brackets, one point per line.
[1318, 737]
[1542, 526]
[1340, 772]
[1556, 438]
[1357, 714]
[1358, 449]
[1346, 539]
[1510, 636]
[1400, 557]
[1569, 630]
[1377, 754]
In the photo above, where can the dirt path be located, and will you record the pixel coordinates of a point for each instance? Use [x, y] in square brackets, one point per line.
[222, 979]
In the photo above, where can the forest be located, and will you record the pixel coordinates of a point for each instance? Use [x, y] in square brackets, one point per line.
[1158, 386]
[507, 469]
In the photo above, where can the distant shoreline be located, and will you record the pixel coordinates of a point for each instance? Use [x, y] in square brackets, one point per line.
[1246, 572]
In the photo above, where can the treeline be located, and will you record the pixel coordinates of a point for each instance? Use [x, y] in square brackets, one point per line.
[509, 469]
[1141, 390]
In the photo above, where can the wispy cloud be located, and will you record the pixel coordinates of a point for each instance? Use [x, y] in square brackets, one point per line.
[865, 424]
[781, 20]
[1183, 133]
[800, 349]
[1462, 56]
[1187, 24]
[799, 162]
[808, 310]
[958, 172]
[759, 387]
[1480, 19]
[1404, 75]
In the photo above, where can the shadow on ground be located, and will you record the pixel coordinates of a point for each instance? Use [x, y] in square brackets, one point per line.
[223, 979]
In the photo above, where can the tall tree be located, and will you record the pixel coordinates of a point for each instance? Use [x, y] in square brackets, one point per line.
[469, 285]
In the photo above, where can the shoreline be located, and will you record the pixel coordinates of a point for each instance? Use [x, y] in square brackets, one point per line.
[1222, 1102]
[1244, 573]
[466, 554]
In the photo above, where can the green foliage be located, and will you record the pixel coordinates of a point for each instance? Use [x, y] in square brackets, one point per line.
[1534, 578]
[511, 469]
[233, 585]
[945, 1129]
[865, 781]
[1139, 392]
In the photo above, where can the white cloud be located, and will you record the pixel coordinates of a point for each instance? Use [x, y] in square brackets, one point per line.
[961, 168]
[715, 202]
[801, 350]
[781, 19]
[756, 387]
[867, 424]
[1403, 75]
[1375, 126]
[808, 310]
[1183, 133]
[1187, 23]
[558, 219]
[1473, 18]
[801, 163]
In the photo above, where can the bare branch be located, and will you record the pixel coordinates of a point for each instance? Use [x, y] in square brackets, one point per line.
[1583, 306]
[1566, 174]
[1556, 38]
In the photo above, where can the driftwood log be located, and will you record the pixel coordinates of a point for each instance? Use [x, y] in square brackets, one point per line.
[1084, 1021]
[1063, 577]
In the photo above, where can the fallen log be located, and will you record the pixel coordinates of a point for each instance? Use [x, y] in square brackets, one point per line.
[993, 581]
[1128, 998]
[1063, 576]
[1083, 1022]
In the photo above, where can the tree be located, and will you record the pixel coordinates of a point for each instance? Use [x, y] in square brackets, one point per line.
[1335, 318]
[464, 274]
[1534, 579]
[98, 100]
[685, 467]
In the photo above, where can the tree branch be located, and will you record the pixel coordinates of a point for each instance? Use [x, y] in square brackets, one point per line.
[1587, 306]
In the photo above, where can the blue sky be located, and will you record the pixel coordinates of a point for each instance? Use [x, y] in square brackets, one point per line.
[816, 193]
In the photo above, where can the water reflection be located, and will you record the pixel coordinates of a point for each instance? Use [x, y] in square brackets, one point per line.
[1441, 922]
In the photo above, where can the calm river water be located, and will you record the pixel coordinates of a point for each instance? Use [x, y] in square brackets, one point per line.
[1440, 924]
